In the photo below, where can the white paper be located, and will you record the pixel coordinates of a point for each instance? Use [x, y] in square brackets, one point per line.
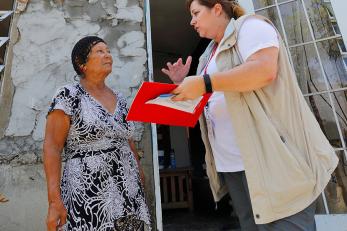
[165, 100]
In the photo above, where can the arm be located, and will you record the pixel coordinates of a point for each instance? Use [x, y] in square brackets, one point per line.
[57, 128]
[259, 70]
[177, 71]
[133, 149]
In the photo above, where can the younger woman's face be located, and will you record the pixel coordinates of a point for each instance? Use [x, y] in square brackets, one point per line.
[203, 19]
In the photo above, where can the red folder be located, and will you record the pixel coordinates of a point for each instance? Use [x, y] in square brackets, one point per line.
[140, 111]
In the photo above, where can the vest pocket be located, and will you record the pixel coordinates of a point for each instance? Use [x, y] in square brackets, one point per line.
[287, 175]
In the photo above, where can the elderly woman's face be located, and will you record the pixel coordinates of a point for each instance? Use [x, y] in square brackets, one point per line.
[99, 59]
[203, 20]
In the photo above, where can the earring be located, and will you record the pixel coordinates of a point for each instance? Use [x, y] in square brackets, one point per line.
[83, 68]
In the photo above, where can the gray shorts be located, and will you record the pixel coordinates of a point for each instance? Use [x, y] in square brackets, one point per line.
[238, 191]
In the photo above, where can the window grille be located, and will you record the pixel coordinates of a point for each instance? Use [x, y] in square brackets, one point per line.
[318, 54]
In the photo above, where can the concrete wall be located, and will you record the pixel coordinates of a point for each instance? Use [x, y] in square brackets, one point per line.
[42, 38]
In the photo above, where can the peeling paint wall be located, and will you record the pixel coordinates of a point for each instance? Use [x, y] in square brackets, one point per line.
[42, 55]
[41, 63]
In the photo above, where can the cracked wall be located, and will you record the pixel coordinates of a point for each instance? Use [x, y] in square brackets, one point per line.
[47, 31]
[41, 63]
[42, 54]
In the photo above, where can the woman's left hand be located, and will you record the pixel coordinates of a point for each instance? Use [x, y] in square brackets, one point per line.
[142, 176]
[137, 158]
[191, 88]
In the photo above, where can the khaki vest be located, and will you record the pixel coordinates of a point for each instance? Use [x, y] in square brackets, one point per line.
[288, 160]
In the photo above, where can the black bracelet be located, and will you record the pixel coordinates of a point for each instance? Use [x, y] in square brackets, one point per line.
[208, 84]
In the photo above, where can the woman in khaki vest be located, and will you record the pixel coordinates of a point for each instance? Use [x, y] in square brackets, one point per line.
[263, 144]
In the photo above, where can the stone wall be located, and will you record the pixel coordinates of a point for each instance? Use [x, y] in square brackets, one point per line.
[42, 38]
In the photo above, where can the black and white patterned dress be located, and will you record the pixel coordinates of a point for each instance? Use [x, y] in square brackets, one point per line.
[100, 187]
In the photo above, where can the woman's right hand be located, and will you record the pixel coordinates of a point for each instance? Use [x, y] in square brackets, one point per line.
[178, 70]
[57, 215]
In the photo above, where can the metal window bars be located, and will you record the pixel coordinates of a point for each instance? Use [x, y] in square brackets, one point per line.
[330, 91]
[3, 40]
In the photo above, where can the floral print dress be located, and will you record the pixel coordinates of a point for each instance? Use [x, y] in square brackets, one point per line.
[100, 187]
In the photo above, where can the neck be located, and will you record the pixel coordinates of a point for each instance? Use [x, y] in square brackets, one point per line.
[221, 30]
[93, 84]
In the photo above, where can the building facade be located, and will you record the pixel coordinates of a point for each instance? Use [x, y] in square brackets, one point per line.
[36, 39]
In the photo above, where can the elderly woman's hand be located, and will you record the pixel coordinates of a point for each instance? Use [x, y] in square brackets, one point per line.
[56, 217]
[191, 88]
[178, 70]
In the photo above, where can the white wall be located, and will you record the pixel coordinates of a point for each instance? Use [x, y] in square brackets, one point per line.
[247, 5]
[42, 56]
[340, 7]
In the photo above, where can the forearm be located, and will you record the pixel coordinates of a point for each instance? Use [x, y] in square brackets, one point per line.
[52, 166]
[246, 77]
[134, 150]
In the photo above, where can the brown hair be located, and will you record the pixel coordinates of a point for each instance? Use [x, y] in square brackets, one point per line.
[230, 7]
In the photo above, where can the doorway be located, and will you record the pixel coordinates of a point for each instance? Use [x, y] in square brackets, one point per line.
[172, 37]
[186, 199]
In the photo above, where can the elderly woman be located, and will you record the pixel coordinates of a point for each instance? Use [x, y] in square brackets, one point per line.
[101, 185]
[259, 133]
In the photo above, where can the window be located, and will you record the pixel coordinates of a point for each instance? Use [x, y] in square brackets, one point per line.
[336, 28]
[4, 15]
[342, 46]
[6, 10]
[329, 10]
[345, 61]
[318, 54]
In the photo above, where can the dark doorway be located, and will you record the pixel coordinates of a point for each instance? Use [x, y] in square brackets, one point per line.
[173, 38]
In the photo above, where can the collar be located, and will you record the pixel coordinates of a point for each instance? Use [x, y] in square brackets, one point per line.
[228, 39]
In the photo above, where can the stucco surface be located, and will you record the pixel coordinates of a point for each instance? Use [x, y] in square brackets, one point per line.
[47, 31]
[42, 63]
